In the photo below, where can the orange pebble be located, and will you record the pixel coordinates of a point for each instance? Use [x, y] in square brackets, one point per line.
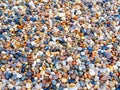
[97, 15]
[94, 53]
[75, 18]
[38, 75]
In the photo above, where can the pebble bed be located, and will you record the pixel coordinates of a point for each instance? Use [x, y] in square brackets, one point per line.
[59, 44]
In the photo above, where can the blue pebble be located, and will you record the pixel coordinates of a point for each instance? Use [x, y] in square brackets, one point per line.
[90, 6]
[71, 80]
[93, 82]
[46, 48]
[28, 12]
[22, 70]
[93, 61]
[104, 48]
[46, 88]
[17, 21]
[104, 54]
[46, 42]
[27, 4]
[0, 64]
[60, 88]
[87, 63]
[32, 79]
[90, 48]
[99, 73]
[3, 37]
[23, 78]
[43, 21]
[118, 9]
[33, 19]
[58, 18]
[42, 30]
[3, 61]
[108, 25]
[29, 74]
[30, 46]
[19, 31]
[1, 13]
[82, 84]
[60, 28]
[111, 74]
[9, 20]
[106, 0]
[8, 75]
[117, 16]
[6, 14]
[5, 30]
[108, 55]
[72, 26]
[49, 33]
[14, 76]
[118, 87]
[72, 21]
[18, 15]
[25, 18]
[54, 82]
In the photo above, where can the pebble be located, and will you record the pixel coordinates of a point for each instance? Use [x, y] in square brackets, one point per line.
[28, 85]
[69, 59]
[118, 63]
[91, 72]
[10, 86]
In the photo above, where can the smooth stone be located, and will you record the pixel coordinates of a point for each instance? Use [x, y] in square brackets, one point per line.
[82, 84]
[103, 70]
[69, 59]
[64, 80]
[8, 75]
[91, 72]
[88, 87]
[18, 87]
[118, 63]
[28, 85]
[104, 78]
[10, 86]
[54, 82]
[3, 61]
[19, 75]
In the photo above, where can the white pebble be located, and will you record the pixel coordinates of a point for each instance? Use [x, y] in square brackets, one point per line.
[91, 72]
[118, 63]
[82, 53]
[69, 59]
[19, 75]
[28, 85]
[33, 43]
[88, 86]
[10, 86]
[32, 4]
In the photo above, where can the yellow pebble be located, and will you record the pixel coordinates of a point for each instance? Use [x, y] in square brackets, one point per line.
[48, 53]
[2, 69]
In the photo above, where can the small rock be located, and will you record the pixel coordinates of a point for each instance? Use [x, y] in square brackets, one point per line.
[118, 63]
[64, 80]
[69, 59]
[10, 86]
[28, 85]
[91, 72]
[3, 61]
